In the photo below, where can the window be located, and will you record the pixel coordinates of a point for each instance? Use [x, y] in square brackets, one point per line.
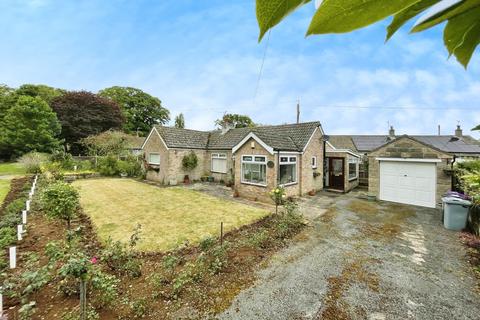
[288, 170]
[219, 162]
[154, 158]
[352, 168]
[254, 170]
[314, 162]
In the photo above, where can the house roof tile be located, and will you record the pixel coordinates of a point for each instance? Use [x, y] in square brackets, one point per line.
[287, 137]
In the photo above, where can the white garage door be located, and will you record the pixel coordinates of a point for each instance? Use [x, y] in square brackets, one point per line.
[408, 182]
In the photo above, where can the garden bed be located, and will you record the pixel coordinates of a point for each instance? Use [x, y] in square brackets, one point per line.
[194, 281]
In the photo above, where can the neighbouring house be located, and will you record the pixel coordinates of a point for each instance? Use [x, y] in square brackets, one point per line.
[254, 160]
[134, 145]
[407, 169]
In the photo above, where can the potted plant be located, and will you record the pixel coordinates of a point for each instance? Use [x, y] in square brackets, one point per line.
[189, 163]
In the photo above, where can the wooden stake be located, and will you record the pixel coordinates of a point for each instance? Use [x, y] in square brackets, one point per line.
[13, 257]
[24, 216]
[1, 305]
[221, 233]
[19, 232]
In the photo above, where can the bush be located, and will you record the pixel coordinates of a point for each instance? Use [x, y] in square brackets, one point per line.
[65, 159]
[207, 243]
[104, 289]
[7, 237]
[61, 201]
[259, 239]
[130, 166]
[120, 257]
[33, 161]
[108, 166]
[218, 260]
[190, 161]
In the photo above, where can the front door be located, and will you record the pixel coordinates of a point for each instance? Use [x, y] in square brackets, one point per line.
[336, 172]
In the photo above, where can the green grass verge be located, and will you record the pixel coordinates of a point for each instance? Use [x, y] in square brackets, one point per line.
[4, 188]
[169, 216]
[12, 168]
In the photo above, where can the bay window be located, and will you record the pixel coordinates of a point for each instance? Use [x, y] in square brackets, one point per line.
[254, 170]
[288, 170]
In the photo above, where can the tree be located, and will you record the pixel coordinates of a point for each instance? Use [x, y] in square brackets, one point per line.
[110, 142]
[477, 128]
[30, 125]
[83, 114]
[39, 90]
[140, 109]
[180, 121]
[461, 34]
[235, 120]
[6, 99]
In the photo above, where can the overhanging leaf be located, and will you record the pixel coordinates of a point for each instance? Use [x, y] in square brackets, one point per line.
[476, 128]
[446, 14]
[462, 35]
[340, 16]
[408, 13]
[271, 12]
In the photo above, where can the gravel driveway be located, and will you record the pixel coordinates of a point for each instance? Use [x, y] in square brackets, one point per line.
[364, 260]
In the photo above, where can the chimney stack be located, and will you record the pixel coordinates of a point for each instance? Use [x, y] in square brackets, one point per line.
[391, 132]
[458, 132]
[298, 111]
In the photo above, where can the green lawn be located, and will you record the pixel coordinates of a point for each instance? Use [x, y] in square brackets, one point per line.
[4, 188]
[11, 168]
[168, 216]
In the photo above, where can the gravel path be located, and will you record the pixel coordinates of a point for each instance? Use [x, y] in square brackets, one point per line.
[364, 260]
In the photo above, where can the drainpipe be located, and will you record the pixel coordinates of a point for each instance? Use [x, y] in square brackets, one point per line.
[453, 173]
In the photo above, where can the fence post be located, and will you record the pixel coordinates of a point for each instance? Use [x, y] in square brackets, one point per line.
[24, 216]
[83, 299]
[19, 232]
[13, 257]
[221, 233]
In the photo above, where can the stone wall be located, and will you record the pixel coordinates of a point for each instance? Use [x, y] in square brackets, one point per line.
[175, 168]
[307, 181]
[216, 175]
[407, 148]
[156, 145]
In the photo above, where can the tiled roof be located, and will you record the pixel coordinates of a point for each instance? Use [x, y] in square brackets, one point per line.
[449, 144]
[183, 138]
[287, 137]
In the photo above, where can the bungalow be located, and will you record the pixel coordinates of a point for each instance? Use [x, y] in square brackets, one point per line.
[254, 160]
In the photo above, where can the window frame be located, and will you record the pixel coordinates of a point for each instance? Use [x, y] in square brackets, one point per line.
[253, 161]
[219, 156]
[154, 163]
[314, 162]
[288, 162]
[356, 162]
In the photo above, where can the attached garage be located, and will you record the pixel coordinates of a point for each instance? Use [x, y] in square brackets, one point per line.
[410, 172]
[412, 181]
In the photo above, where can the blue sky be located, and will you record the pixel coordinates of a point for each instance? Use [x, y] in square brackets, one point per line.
[202, 58]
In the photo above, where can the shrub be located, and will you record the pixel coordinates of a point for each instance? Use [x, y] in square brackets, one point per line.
[108, 166]
[278, 196]
[190, 161]
[218, 260]
[7, 237]
[61, 201]
[27, 310]
[33, 161]
[170, 262]
[52, 171]
[63, 158]
[130, 167]
[207, 243]
[290, 206]
[139, 307]
[74, 314]
[120, 257]
[259, 239]
[104, 288]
